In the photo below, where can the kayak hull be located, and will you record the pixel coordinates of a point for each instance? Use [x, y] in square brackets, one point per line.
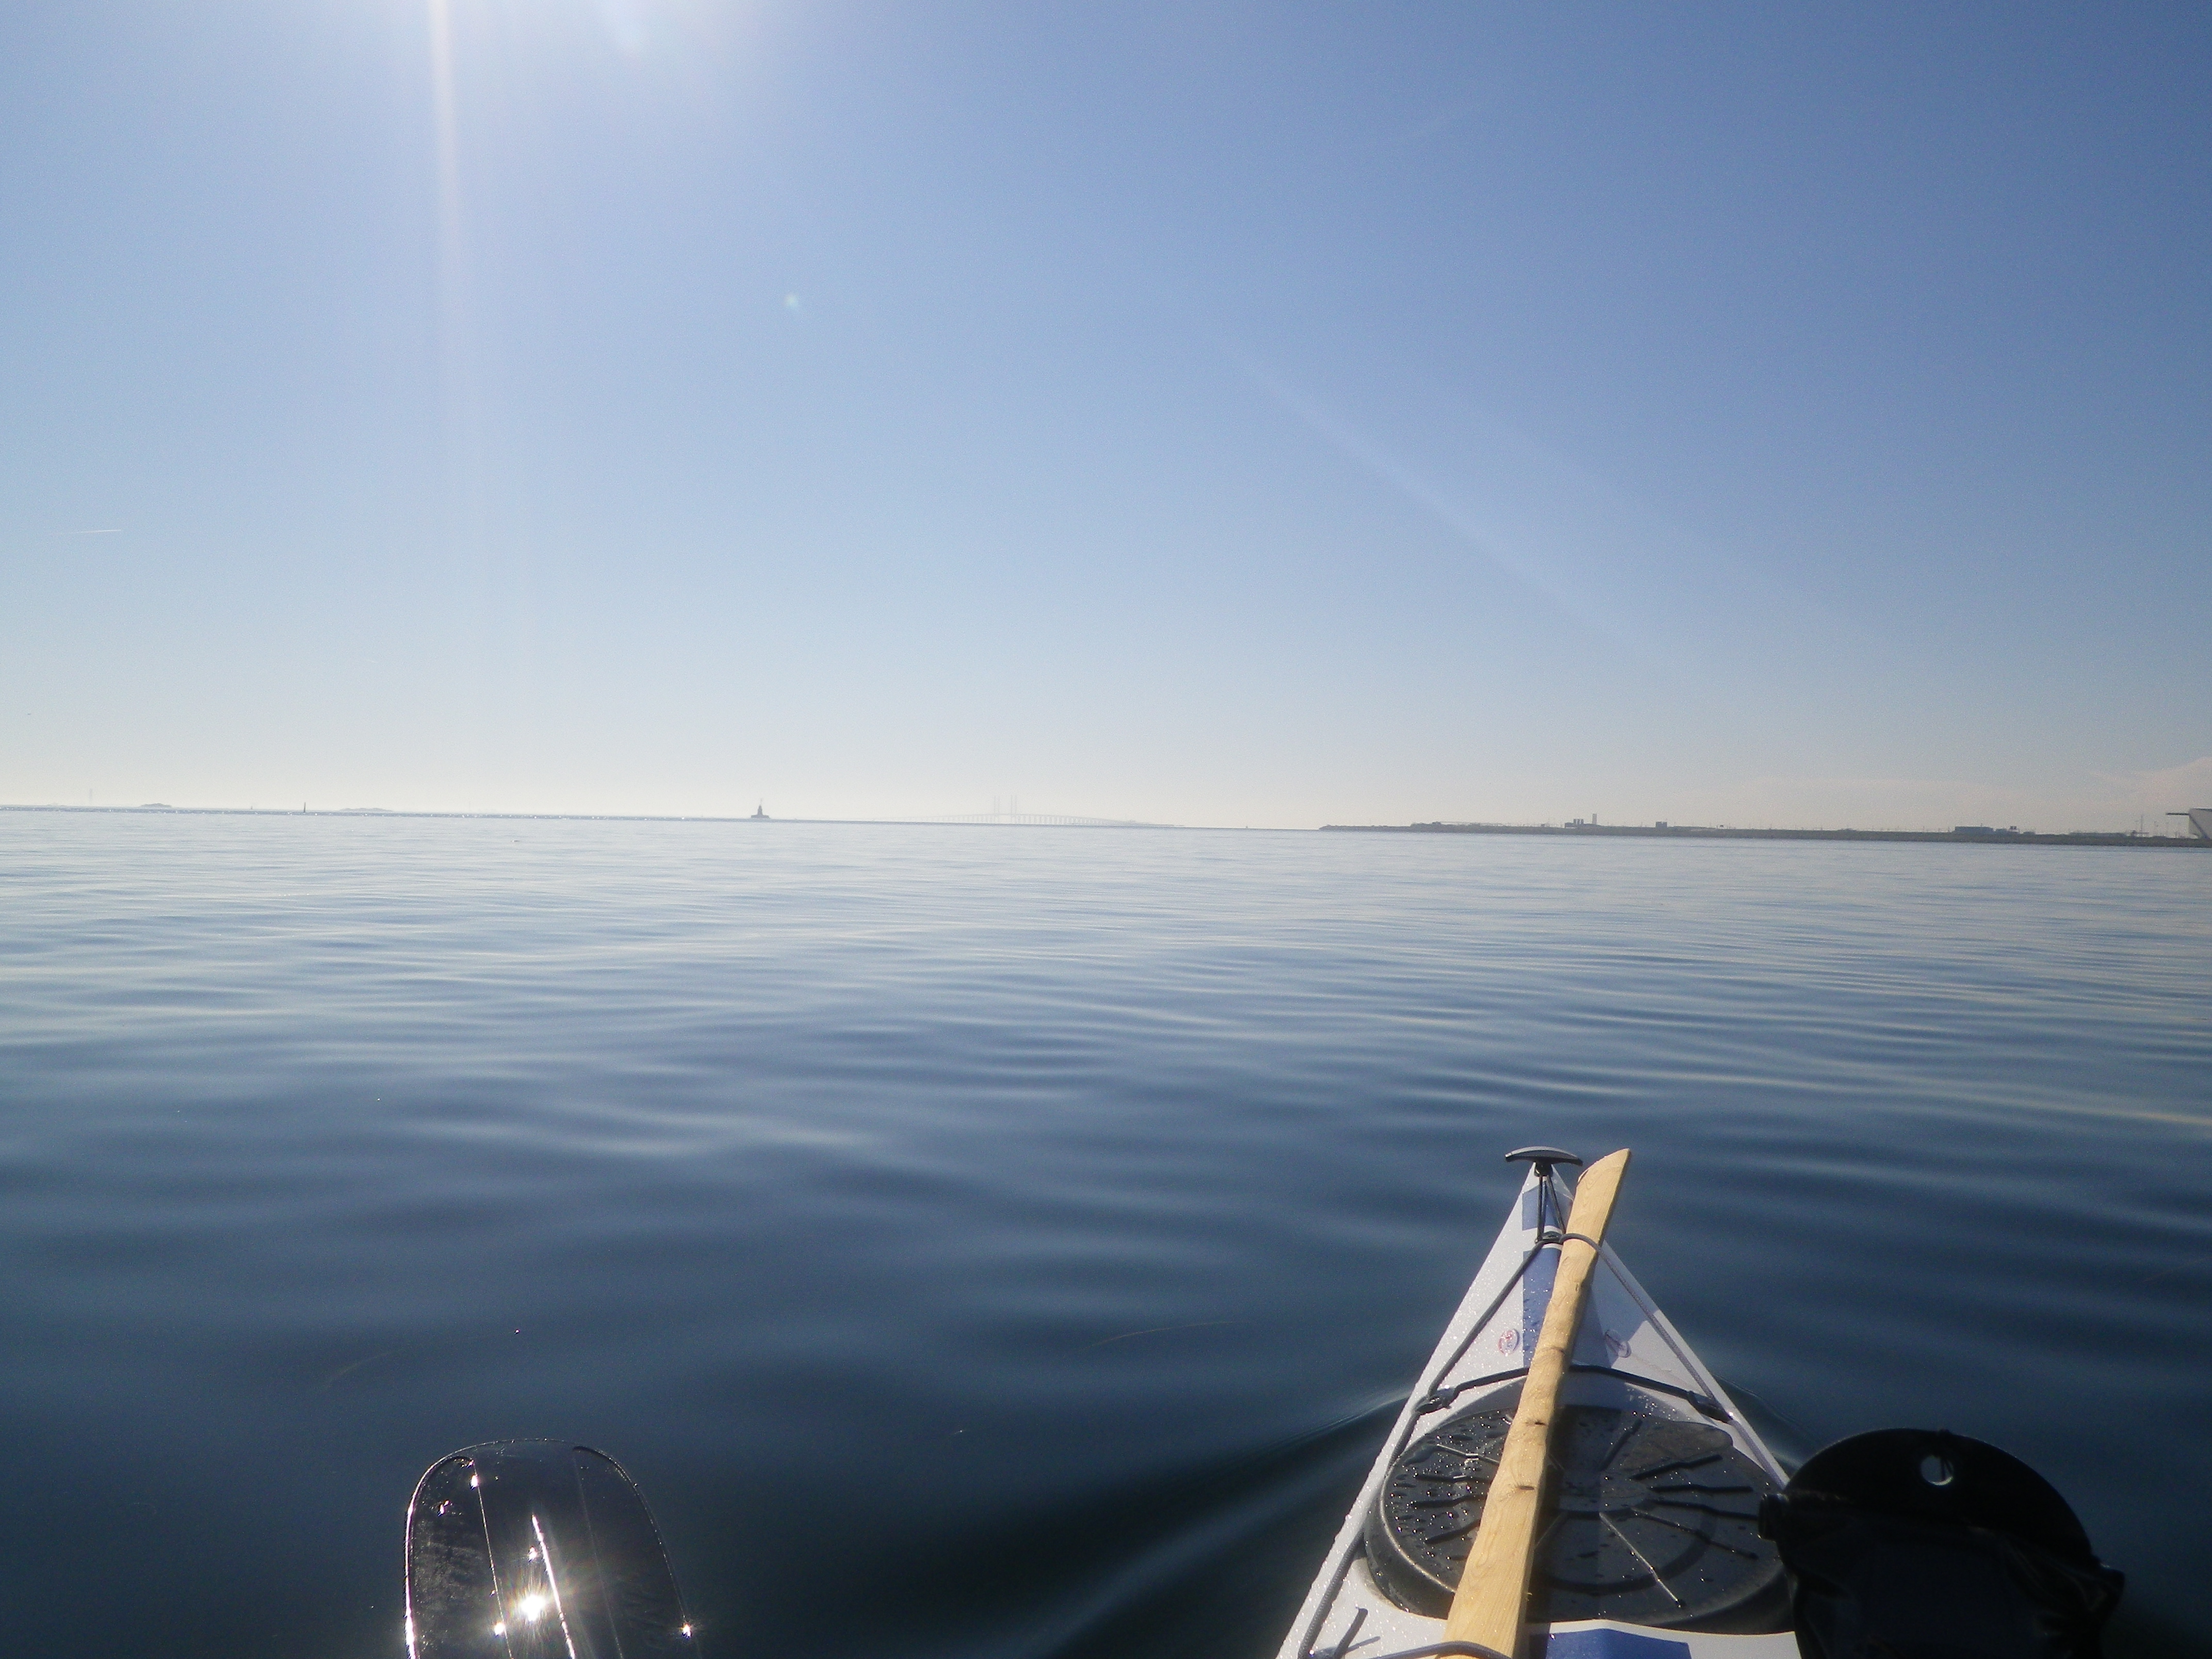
[1651, 1568]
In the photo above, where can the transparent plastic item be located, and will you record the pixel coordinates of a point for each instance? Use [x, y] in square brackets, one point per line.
[538, 1549]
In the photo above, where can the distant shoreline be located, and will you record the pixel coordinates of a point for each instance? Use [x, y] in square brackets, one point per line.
[1972, 837]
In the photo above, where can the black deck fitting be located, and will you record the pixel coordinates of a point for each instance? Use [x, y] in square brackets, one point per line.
[1542, 1157]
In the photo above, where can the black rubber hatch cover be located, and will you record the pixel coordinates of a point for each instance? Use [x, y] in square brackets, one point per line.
[1652, 1521]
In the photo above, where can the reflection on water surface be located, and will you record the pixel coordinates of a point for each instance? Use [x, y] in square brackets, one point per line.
[992, 1242]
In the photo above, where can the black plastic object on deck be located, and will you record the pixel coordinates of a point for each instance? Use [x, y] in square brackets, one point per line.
[1919, 1543]
[538, 1549]
[1654, 1522]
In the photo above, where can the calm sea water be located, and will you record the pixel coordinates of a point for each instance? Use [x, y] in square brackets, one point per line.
[986, 1242]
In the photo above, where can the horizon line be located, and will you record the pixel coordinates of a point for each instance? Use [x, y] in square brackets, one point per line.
[1658, 829]
[1022, 821]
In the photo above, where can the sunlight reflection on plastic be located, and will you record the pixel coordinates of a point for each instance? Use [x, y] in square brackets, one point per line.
[534, 1578]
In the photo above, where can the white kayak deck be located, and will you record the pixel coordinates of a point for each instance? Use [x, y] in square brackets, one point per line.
[1625, 1350]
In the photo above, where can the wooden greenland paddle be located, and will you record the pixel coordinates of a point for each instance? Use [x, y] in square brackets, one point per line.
[1492, 1598]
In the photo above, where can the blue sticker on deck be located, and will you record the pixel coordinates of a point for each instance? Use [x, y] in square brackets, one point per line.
[1532, 1207]
[1611, 1645]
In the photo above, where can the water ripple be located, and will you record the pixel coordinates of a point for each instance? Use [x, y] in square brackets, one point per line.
[1031, 1226]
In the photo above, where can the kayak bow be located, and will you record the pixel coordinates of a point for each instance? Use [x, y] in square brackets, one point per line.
[1647, 1545]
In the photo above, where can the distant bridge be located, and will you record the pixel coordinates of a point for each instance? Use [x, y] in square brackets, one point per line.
[1056, 819]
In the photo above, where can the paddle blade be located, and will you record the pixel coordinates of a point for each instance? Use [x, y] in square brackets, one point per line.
[538, 1549]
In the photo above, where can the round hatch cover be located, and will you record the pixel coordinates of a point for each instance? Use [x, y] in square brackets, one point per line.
[1653, 1520]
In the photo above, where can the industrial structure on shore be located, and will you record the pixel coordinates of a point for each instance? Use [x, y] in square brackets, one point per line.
[2196, 832]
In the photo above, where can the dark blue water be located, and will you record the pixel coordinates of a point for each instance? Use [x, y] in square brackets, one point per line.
[986, 1242]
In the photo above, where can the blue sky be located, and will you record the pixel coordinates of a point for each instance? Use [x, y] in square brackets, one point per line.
[1214, 414]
